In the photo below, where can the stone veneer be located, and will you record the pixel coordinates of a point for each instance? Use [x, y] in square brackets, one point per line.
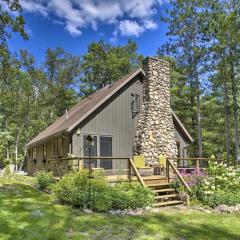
[155, 130]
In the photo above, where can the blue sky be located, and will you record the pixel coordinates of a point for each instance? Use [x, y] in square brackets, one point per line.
[73, 24]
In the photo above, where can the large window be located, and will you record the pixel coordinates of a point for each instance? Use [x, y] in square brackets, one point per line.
[57, 147]
[102, 147]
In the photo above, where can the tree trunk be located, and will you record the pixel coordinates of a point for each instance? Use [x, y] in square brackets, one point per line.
[227, 116]
[235, 110]
[199, 127]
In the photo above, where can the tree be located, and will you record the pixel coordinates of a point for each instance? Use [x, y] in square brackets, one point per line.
[187, 46]
[61, 78]
[103, 64]
[224, 21]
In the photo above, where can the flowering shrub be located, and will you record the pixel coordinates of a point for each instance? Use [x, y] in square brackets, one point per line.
[221, 178]
[218, 184]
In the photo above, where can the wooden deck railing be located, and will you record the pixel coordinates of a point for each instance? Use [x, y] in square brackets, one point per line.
[131, 168]
[195, 163]
[169, 163]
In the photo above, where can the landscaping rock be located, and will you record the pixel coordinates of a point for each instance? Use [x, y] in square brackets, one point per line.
[227, 209]
[86, 210]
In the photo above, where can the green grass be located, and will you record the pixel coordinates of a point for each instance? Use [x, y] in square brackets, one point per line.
[26, 213]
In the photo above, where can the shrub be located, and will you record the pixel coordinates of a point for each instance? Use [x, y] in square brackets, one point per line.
[221, 197]
[73, 189]
[220, 185]
[6, 171]
[44, 179]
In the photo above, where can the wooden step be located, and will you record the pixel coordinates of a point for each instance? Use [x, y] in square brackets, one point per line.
[164, 190]
[166, 196]
[157, 184]
[161, 204]
[154, 177]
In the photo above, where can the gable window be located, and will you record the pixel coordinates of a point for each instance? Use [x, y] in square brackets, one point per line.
[45, 150]
[34, 153]
[135, 103]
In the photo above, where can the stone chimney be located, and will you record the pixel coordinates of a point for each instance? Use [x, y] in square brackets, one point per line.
[155, 130]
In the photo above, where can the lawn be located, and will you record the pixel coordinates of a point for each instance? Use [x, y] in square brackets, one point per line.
[26, 213]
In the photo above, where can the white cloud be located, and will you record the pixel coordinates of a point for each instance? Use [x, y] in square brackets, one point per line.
[32, 6]
[130, 17]
[130, 28]
[150, 24]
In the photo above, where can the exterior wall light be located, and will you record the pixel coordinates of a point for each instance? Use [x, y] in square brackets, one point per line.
[78, 132]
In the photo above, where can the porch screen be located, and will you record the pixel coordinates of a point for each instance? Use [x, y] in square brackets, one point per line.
[106, 151]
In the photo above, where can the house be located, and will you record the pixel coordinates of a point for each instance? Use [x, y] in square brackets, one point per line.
[131, 116]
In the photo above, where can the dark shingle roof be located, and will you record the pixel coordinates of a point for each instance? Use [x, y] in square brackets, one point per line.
[83, 109]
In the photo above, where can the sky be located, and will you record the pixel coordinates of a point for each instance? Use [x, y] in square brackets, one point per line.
[73, 24]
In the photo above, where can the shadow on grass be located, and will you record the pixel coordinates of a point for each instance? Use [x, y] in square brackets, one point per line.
[26, 213]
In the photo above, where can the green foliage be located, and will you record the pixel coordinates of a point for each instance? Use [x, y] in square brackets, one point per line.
[103, 64]
[44, 179]
[6, 171]
[73, 189]
[222, 197]
[11, 20]
[219, 186]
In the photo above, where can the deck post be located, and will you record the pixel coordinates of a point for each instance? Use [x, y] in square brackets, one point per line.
[78, 164]
[129, 171]
[167, 170]
[197, 167]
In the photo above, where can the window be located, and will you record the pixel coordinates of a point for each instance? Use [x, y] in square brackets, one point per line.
[135, 103]
[34, 152]
[29, 154]
[90, 150]
[105, 151]
[44, 150]
[102, 146]
[57, 147]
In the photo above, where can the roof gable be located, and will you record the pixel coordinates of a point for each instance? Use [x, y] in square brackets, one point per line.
[84, 108]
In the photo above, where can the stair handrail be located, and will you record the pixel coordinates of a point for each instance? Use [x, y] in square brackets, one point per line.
[178, 175]
[132, 165]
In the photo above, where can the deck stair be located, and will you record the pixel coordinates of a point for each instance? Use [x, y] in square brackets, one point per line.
[165, 195]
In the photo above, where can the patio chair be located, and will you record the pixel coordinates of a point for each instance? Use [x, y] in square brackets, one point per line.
[163, 164]
[139, 162]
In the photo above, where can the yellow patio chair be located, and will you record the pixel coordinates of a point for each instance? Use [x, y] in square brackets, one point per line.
[139, 161]
[144, 170]
[162, 163]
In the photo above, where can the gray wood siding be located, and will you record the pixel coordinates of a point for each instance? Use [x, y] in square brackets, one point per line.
[113, 119]
[39, 165]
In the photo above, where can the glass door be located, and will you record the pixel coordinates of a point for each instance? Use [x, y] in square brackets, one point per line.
[106, 151]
